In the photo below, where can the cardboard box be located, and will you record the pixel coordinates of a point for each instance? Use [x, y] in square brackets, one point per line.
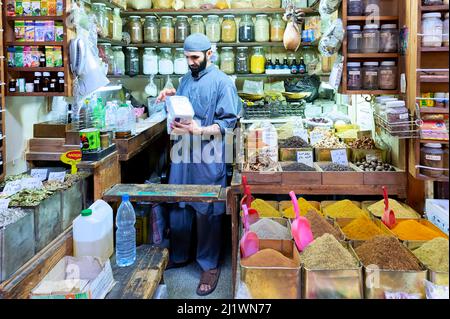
[76, 278]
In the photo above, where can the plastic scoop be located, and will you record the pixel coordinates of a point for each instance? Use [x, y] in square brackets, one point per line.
[249, 243]
[388, 217]
[248, 199]
[300, 227]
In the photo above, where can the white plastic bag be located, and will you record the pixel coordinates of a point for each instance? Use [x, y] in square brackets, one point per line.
[331, 41]
[436, 292]
[253, 87]
[139, 4]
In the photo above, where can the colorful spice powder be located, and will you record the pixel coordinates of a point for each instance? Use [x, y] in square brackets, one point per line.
[343, 209]
[269, 258]
[400, 211]
[413, 230]
[304, 207]
[320, 226]
[264, 209]
[362, 228]
[386, 252]
[267, 228]
[434, 254]
[327, 253]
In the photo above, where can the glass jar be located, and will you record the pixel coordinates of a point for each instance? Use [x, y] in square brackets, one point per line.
[182, 29]
[387, 76]
[354, 79]
[119, 60]
[213, 28]
[445, 31]
[355, 7]
[110, 56]
[372, 7]
[262, 28]
[432, 2]
[151, 30]
[389, 38]
[150, 61]
[165, 63]
[135, 29]
[432, 26]
[277, 27]
[180, 64]
[110, 21]
[257, 61]
[242, 60]
[354, 39]
[371, 39]
[117, 25]
[432, 155]
[166, 30]
[99, 10]
[370, 76]
[132, 61]
[197, 24]
[397, 117]
[227, 60]
[246, 29]
[228, 28]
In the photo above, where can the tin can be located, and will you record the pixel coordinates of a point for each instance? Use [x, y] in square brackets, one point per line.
[104, 140]
[90, 140]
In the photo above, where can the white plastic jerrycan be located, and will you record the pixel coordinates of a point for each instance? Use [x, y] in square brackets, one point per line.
[93, 231]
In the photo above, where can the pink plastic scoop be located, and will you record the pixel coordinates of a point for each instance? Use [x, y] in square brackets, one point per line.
[249, 242]
[300, 227]
[388, 217]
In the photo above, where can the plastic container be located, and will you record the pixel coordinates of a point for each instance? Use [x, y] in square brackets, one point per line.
[228, 29]
[432, 155]
[354, 39]
[262, 28]
[125, 233]
[178, 107]
[354, 79]
[370, 76]
[397, 117]
[432, 26]
[389, 38]
[213, 28]
[371, 39]
[93, 231]
[387, 76]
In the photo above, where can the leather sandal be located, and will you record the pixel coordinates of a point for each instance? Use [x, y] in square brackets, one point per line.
[210, 278]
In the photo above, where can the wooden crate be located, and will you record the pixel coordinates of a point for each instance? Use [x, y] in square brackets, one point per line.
[263, 178]
[17, 245]
[324, 154]
[301, 178]
[71, 203]
[50, 145]
[290, 154]
[341, 178]
[399, 177]
[51, 129]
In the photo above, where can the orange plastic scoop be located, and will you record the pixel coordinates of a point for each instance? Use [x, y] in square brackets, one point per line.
[249, 243]
[300, 227]
[388, 217]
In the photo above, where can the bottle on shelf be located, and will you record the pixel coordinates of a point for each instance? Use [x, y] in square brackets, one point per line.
[302, 66]
[126, 233]
[277, 64]
[269, 65]
[285, 64]
[294, 68]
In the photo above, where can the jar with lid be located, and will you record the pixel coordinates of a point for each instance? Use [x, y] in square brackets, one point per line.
[150, 61]
[397, 117]
[151, 30]
[277, 27]
[228, 28]
[197, 24]
[354, 39]
[432, 26]
[109, 21]
[354, 79]
[182, 29]
[257, 61]
[180, 64]
[439, 99]
[46, 82]
[432, 156]
[389, 38]
[213, 28]
[99, 10]
[246, 29]
[355, 7]
[61, 82]
[262, 28]
[165, 63]
[117, 25]
[119, 60]
[370, 76]
[445, 31]
[166, 30]
[12, 85]
[110, 58]
[371, 39]
[372, 7]
[135, 29]
[242, 60]
[37, 87]
[227, 60]
[132, 61]
[53, 84]
[387, 76]
[432, 2]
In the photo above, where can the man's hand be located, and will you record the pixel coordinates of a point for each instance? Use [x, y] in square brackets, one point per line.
[165, 93]
[190, 128]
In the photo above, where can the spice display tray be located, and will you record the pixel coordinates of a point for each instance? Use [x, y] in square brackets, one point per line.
[300, 177]
[324, 154]
[342, 222]
[416, 243]
[97, 156]
[290, 154]
[365, 207]
[341, 178]
[397, 177]
[71, 203]
[287, 203]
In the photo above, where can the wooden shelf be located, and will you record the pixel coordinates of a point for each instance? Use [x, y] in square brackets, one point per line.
[160, 76]
[434, 8]
[37, 69]
[211, 11]
[42, 43]
[373, 55]
[364, 18]
[36, 94]
[433, 110]
[424, 141]
[109, 4]
[36, 18]
[434, 78]
[427, 178]
[434, 49]
[375, 92]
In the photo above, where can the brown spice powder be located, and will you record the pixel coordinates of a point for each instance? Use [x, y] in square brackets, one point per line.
[320, 226]
[268, 258]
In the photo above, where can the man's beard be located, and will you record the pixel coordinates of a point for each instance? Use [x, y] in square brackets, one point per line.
[196, 70]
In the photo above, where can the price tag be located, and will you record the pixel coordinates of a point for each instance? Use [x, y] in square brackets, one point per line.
[305, 157]
[31, 183]
[57, 176]
[315, 137]
[40, 174]
[302, 133]
[339, 157]
[12, 187]
[4, 203]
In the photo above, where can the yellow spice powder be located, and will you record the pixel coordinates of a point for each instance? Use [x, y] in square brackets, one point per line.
[400, 211]
[264, 209]
[343, 209]
[362, 228]
[413, 230]
[304, 207]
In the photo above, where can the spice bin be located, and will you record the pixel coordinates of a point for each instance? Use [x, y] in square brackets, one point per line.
[312, 177]
[353, 177]
[342, 222]
[287, 204]
[425, 222]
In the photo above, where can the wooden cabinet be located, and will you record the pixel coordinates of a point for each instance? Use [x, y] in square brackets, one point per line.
[2, 104]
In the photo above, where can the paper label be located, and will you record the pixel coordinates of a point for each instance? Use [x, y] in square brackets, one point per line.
[4, 203]
[403, 116]
[354, 72]
[305, 157]
[31, 183]
[339, 157]
[57, 176]
[40, 174]
[400, 295]
[315, 137]
[302, 133]
[12, 187]
[433, 157]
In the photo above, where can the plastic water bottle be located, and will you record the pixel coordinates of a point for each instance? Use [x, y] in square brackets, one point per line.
[110, 116]
[125, 233]
[132, 118]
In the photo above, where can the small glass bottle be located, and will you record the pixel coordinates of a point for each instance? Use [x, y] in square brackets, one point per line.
[46, 82]
[302, 66]
[197, 24]
[61, 82]
[294, 68]
[12, 86]
[151, 30]
[277, 65]
[42, 61]
[53, 84]
[246, 29]
[37, 82]
[182, 29]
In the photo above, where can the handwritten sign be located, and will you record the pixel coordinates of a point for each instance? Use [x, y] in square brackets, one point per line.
[31, 183]
[315, 137]
[4, 203]
[12, 187]
[72, 158]
[305, 157]
[302, 133]
[39, 173]
[339, 157]
[57, 176]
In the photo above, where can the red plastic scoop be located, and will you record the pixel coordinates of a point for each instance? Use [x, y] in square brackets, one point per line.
[300, 227]
[388, 217]
[249, 242]
[248, 199]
